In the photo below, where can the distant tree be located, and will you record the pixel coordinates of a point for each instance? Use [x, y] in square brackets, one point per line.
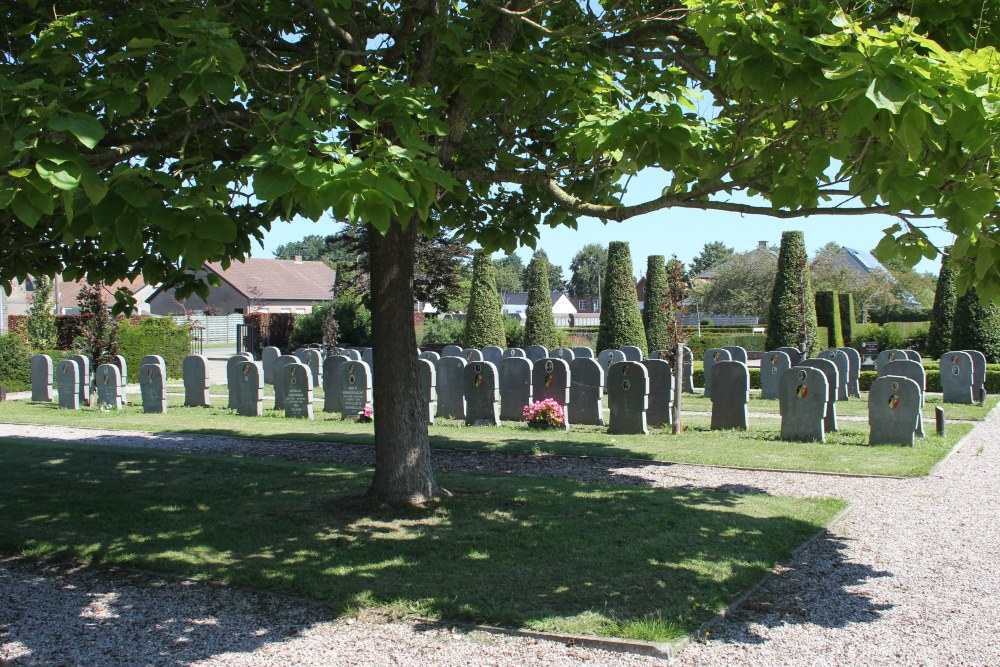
[677, 291]
[483, 322]
[312, 248]
[977, 326]
[873, 291]
[791, 319]
[587, 270]
[510, 272]
[557, 283]
[99, 338]
[654, 312]
[539, 325]
[943, 313]
[712, 254]
[741, 287]
[621, 321]
[40, 326]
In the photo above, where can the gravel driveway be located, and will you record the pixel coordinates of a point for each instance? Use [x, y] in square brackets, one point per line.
[908, 576]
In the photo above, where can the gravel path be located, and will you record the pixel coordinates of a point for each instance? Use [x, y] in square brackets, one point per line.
[907, 576]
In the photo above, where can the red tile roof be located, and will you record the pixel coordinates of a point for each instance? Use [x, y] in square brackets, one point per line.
[278, 278]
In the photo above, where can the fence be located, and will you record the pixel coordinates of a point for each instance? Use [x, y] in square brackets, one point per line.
[218, 328]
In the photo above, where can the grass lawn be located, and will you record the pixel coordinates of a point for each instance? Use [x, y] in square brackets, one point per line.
[541, 553]
[844, 452]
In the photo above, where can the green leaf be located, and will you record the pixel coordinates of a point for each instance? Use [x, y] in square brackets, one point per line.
[270, 183]
[889, 93]
[219, 85]
[25, 211]
[87, 129]
[93, 185]
[20, 172]
[857, 116]
[158, 89]
[65, 176]
[216, 228]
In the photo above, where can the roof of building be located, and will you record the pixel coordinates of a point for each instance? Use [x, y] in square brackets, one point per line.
[69, 290]
[863, 260]
[521, 298]
[278, 278]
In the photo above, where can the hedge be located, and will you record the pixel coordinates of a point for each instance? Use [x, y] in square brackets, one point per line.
[68, 328]
[791, 318]
[621, 320]
[828, 315]
[279, 327]
[15, 362]
[483, 323]
[848, 318]
[866, 378]
[154, 335]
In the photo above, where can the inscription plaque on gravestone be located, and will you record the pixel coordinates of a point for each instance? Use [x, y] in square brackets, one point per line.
[730, 395]
[68, 384]
[772, 366]
[109, 383]
[536, 352]
[450, 387]
[550, 379]
[829, 369]
[482, 392]
[427, 376]
[802, 399]
[249, 389]
[297, 383]
[661, 392]
[195, 372]
[41, 378]
[493, 354]
[843, 364]
[711, 357]
[153, 388]
[267, 356]
[893, 410]
[853, 371]
[631, 352]
[628, 398]
[581, 352]
[515, 387]
[956, 377]
[586, 392]
[279, 377]
[234, 375]
[356, 388]
[331, 392]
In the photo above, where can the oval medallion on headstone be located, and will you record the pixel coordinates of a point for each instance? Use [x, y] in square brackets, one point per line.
[479, 369]
[955, 370]
[626, 384]
[548, 366]
[352, 380]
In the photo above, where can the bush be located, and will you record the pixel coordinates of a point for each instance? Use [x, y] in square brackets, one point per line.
[791, 319]
[943, 313]
[828, 315]
[275, 329]
[654, 313]
[977, 326]
[308, 328]
[750, 343]
[893, 335]
[483, 324]
[354, 321]
[848, 319]
[15, 363]
[439, 331]
[540, 325]
[513, 332]
[621, 321]
[154, 335]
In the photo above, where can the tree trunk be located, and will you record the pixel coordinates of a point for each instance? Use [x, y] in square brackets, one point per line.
[403, 474]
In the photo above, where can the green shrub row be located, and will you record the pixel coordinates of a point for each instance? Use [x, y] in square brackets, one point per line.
[154, 335]
[866, 378]
[15, 362]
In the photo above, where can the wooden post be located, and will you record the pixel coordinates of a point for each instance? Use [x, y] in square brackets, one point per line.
[678, 387]
[939, 419]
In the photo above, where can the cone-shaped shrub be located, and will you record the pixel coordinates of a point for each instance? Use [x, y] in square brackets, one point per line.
[828, 315]
[654, 314]
[943, 313]
[621, 321]
[539, 325]
[847, 315]
[484, 323]
[977, 327]
[792, 317]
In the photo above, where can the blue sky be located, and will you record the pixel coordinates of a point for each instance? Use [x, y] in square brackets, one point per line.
[680, 231]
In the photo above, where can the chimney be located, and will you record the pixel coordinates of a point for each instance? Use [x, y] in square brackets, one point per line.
[761, 245]
[297, 259]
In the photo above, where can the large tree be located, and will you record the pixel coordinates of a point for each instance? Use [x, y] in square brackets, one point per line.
[153, 135]
[741, 286]
[510, 272]
[587, 270]
[712, 254]
[872, 291]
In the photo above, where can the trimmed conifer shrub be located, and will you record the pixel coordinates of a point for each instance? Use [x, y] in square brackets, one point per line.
[654, 313]
[792, 317]
[977, 326]
[621, 321]
[847, 317]
[828, 315]
[943, 312]
[483, 322]
[539, 324]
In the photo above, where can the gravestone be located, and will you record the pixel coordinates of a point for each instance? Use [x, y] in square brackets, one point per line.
[195, 372]
[628, 398]
[472, 355]
[279, 377]
[802, 401]
[297, 383]
[885, 356]
[153, 388]
[843, 364]
[978, 375]
[586, 392]
[631, 352]
[155, 359]
[853, 371]
[429, 355]
[355, 384]
[914, 371]
[829, 369]
[234, 374]
[736, 353]
[563, 353]
[913, 355]
[711, 357]
[482, 394]
[956, 377]
[352, 354]
[550, 379]
[68, 384]
[493, 354]
[368, 356]
[794, 354]
[730, 395]
[687, 369]
[581, 352]
[312, 358]
[514, 352]
[606, 358]
[41, 378]
[331, 392]
[893, 410]
[451, 351]
[267, 356]
[427, 377]
[119, 361]
[515, 387]
[661, 392]
[109, 386]
[772, 366]
[536, 352]
[83, 379]
[450, 387]
[249, 389]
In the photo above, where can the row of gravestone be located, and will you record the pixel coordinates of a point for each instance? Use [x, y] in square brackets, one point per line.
[73, 380]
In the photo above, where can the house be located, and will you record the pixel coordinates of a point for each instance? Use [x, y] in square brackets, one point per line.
[254, 286]
[515, 304]
[66, 295]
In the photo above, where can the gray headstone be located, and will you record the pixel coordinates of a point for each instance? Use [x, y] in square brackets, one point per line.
[195, 373]
[331, 392]
[550, 379]
[450, 387]
[472, 354]
[427, 376]
[885, 356]
[563, 353]
[661, 392]
[829, 369]
[352, 354]
[493, 354]
[956, 377]
[482, 394]
[451, 351]
[583, 352]
[312, 358]
[913, 355]
[914, 371]
[688, 371]
[628, 398]
[514, 352]
[41, 378]
[279, 390]
[119, 361]
[355, 383]
[536, 352]
[794, 354]
[802, 401]
[839, 357]
[368, 356]
[267, 356]
[772, 366]
[515, 387]
[586, 392]
[711, 357]
[297, 384]
[606, 358]
[853, 371]
[893, 410]
[109, 385]
[736, 353]
[730, 395]
[83, 381]
[234, 374]
[249, 389]
[978, 375]
[153, 388]
[429, 355]
[155, 359]
[631, 352]
[68, 384]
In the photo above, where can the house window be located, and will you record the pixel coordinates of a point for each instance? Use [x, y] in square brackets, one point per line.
[300, 311]
[597, 305]
[581, 304]
[286, 310]
[238, 311]
[263, 310]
